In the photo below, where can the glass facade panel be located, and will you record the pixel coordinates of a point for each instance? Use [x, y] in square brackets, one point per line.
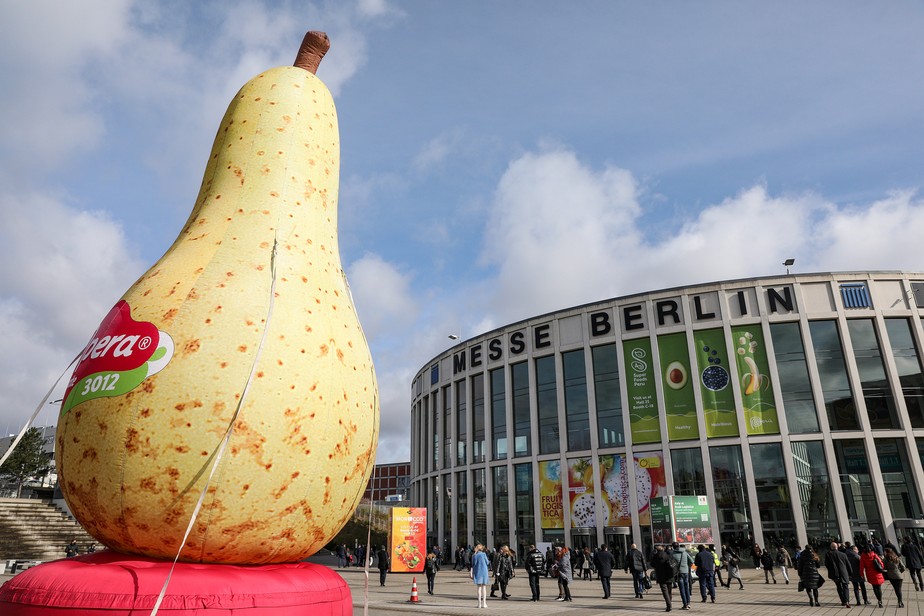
[857, 485]
[478, 452]
[773, 499]
[498, 414]
[689, 479]
[501, 507]
[446, 429]
[877, 394]
[897, 478]
[519, 376]
[610, 431]
[547, 404]
[526, 522]
[815, 495]
[798, 403]
[446, 540]
[577, 413]
[480, 489]
[461, 497]
[435, 409]
[832, 370]
[908, 366]
[731, 496]
[461, 423]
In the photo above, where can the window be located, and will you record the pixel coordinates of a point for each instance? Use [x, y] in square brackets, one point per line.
[547, 405]
[829, 358]
[478, 418]
[519, 375]
[877, 394]
[606, 396]
[498, 414]
[577, 413]
[795, 386]
[814, 485]
[461, 423]
[908, 366]
[689, 479]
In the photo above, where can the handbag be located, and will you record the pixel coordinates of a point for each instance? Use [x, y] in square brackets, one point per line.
[646, 583]
[801, 586]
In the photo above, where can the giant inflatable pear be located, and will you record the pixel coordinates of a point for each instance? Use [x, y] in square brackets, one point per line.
[229, 397]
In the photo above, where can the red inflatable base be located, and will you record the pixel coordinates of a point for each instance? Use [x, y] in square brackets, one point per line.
[111, 584]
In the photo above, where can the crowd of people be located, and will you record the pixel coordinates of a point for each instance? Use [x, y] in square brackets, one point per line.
[676, 567]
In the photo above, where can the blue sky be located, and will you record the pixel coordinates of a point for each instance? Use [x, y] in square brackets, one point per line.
[499, 159]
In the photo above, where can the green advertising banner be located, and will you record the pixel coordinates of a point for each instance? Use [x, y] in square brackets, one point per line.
[640, 385]
[756, 392]
[691, 520]
[662, 520]
[679, 402]
[718, 398]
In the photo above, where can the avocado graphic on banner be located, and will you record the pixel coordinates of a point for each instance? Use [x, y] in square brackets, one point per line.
[640, 385]
[679, 402]
[754, 370]
[715, 384]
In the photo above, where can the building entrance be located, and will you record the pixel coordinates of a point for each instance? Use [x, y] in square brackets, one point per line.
[618, 539]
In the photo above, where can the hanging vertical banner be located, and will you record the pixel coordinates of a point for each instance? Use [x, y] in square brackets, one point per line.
[550, 494]
[650, 482]
[756, 393]
[640, 385]
[614, 487]
[679, 401]
[408, 539]
[581, 494]
[715, 384]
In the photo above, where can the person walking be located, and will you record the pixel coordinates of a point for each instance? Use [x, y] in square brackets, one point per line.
[663, 564]
[718, 566]
[564, 574]
[894, 570]
[479, 574]
[503, 571]
[839, 573]
[550, 559]
[756, 553]
[873, 569]
[914, 560]
[635, 564]
[784, 562]
[535, 566]
[605, 562]
[766, 563]
[383, 564]
[431, 566]
[732, 567]
[587, 564]
[684, 585]
[856, 575]
[809, 576]
[705, 570]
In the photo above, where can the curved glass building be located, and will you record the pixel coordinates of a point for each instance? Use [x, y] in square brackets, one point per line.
[793, 404]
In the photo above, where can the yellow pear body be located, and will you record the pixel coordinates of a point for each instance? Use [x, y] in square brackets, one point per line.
[259, 339]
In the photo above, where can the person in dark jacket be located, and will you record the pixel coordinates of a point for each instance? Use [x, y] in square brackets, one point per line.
[705, 569]
[605, 563]
[383, 564]
[839, 572]
[503, 570]
[664, 573]
[535, 566]
[431, 566]
[856, 575]
[808, 574]
[766, 561]
[635, 564]
[914, 560]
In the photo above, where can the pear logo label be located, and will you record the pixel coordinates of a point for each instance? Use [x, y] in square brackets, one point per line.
[120, 355]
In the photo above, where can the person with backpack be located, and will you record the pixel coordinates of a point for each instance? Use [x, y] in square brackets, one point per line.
[784, 562]
[635, 564]
[766, 561]
[431, 566]
[664, 567]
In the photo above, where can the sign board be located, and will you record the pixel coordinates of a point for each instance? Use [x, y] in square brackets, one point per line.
[684, 519]
[408, 539]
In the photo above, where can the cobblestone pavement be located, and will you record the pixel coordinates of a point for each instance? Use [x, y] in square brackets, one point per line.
[455, 594]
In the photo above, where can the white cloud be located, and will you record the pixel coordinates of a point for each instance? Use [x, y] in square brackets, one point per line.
[383, 297]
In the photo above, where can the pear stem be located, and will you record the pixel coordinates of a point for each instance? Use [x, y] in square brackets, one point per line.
[314, 46]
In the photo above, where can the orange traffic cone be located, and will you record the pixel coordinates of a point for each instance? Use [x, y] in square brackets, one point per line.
[414, 598]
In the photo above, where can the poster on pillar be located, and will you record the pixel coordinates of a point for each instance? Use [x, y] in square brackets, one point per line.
[756, 390]
[650, 482]
[640, 385]
[719, 412]
[679, 402]
[614, 489]
[550, 494]
[408, 539]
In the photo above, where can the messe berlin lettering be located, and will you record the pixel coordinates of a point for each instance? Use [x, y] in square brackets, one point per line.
[632, 317]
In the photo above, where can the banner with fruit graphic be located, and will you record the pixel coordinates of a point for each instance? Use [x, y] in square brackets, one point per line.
[614, 487]
[640, 385]
[754, 370]
[408, 538]
[581, 494]
[550, 494]
[650, 482]
[679, 402]
[714, 384]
